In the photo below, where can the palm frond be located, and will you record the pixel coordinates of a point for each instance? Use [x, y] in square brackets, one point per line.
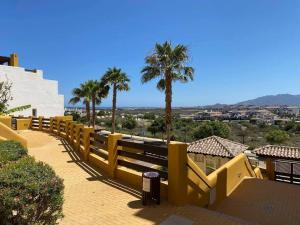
[115, 76]
[74, 100]
[149, 73]
[161, 85]
[18, 109]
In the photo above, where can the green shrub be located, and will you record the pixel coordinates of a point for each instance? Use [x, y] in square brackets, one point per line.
[30, 193]
[277, 136]
[209, 128]
[11, 151]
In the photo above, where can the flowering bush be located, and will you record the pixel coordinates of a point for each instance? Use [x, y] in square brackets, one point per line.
[30, 193]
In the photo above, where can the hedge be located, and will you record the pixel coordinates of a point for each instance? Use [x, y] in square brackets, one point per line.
[11, 151]
[30, 192]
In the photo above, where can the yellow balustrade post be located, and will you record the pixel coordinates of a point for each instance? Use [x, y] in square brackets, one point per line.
[30, 122]
[72, 125]
[41, 122]
[112, 147]
[177, 173]
[86, 140]
[67, 129]
[58, 126]
[51, 124]
[77, 135]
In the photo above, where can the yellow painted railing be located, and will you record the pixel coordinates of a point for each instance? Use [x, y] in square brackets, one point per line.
[186, 182]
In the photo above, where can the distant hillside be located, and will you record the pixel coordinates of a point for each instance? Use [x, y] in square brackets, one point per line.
[271, 100]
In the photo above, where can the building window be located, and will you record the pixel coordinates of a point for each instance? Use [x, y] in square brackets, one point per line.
[34, 112]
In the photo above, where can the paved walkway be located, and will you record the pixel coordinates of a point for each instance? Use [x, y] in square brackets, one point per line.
[263, 201]
[92, 198]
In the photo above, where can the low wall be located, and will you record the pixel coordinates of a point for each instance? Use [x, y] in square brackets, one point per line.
[6, 120]
[199, 186]
[23, 124]
[212, 189]
[64, 118]
[9, 134]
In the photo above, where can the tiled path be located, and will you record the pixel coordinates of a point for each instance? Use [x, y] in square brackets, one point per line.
[91, 198]
[266, 202]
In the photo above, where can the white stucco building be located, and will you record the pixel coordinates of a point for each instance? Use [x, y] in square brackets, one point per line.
[30, 88]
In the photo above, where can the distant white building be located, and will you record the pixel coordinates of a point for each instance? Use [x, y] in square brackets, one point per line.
[30, 88]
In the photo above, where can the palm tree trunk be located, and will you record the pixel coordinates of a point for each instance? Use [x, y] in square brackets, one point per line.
[168, 100]
[94, 111]
[88, 113]
[114, 103]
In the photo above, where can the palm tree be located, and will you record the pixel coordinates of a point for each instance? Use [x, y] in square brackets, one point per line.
[119, 81]
[169, 64]
[99, 90]
[82, 93]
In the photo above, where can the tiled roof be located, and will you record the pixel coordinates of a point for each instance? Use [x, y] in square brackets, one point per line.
[278, 151]
[217, 146]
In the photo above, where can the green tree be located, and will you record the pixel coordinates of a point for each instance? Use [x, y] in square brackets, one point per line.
[157, 126]
[98, 91]
[209, 128]
[129, 123]
[101, 113]
[119, 81]
[277, 136]
[82, 94]
[5, 95]
[149, 116]
[74, 114]
[169, 65]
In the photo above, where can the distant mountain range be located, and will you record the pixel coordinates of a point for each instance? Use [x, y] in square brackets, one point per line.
[268, 100]
[272, 100]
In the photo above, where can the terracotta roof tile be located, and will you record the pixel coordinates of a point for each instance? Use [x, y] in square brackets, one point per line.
[217, 146]
[278, 151]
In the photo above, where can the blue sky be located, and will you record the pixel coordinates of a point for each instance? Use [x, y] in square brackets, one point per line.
[239, 49]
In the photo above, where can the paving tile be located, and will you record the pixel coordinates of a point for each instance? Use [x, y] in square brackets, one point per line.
[92, 198]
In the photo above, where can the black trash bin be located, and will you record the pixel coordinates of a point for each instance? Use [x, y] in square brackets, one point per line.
[151, 187]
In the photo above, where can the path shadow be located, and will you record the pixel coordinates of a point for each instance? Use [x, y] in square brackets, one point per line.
[95, 173]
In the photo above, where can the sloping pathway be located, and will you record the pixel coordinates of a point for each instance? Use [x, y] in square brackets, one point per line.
[92, 198]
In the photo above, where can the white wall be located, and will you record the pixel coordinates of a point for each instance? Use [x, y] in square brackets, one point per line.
[29, 88]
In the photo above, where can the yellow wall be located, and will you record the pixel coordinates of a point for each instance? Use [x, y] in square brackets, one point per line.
[134, 179]
[198, 185]
[6, 120]
[98, 162]
[230, 175]
[64, 118]
[212, 189]
[10, 134]
[258, 173]
[23, 124]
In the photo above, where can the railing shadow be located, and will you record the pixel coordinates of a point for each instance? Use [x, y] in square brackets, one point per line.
[95, 173]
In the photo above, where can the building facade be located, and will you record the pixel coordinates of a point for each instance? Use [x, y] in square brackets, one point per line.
[30, 88]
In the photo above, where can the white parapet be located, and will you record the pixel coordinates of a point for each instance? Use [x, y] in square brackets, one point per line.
[30, 88]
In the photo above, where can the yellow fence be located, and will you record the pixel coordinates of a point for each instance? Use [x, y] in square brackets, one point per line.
[185, 182]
